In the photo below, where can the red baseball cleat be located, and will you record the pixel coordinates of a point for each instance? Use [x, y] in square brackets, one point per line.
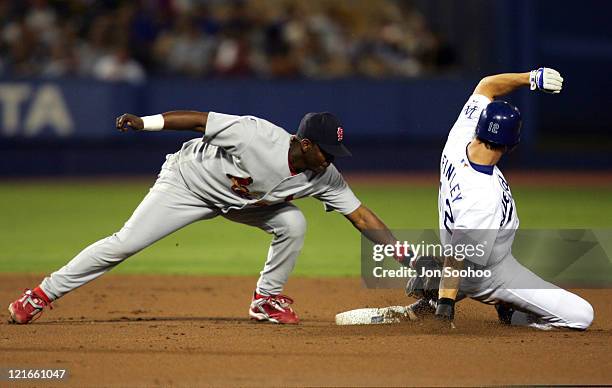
[273, 308]
[28, 308]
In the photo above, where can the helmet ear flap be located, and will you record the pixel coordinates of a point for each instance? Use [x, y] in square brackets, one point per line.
[494, 146]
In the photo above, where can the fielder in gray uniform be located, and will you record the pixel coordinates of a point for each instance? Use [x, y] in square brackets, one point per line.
[243, 168]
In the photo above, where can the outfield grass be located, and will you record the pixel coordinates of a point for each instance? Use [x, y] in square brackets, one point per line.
[45, 224]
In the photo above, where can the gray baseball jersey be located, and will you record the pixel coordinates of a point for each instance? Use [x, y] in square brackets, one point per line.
[240, 170]
[242, 161]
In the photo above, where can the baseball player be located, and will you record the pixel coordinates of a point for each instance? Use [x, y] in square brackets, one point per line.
[475, 205]
[243, 168]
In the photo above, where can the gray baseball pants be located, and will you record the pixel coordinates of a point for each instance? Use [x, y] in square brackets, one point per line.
[169, 206]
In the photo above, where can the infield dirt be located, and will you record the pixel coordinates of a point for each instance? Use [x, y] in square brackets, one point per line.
[191, 331]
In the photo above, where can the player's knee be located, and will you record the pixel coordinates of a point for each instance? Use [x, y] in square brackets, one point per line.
[296, 226]
[582, 314]
[585, 315]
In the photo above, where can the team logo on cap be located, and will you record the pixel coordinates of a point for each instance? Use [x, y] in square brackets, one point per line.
[340, 133]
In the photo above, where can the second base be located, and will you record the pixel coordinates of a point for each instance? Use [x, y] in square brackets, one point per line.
[375, 316]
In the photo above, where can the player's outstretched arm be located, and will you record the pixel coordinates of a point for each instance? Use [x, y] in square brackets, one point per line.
[501, 84]
[376, 231]
[544, 79]
[180, 120]
[371, 226]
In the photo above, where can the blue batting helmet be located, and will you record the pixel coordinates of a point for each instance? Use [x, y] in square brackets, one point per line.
[500, 123]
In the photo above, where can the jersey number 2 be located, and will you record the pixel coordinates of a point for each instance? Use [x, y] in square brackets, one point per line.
[448, 216]
[506, 209]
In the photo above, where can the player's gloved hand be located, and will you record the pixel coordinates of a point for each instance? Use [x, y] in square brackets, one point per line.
[129, 121]
[424, 286]
[546, 79]
[445, 309]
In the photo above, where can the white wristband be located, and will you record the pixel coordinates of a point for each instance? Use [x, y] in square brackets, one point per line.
[153, 123]
[533, 82]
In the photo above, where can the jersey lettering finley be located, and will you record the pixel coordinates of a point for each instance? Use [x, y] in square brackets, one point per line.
[473, 198]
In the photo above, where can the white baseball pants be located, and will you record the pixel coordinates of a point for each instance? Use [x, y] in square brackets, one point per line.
[532, 297]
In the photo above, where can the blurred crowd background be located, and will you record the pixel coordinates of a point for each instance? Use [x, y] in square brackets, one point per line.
[130, 40]
[396, 72]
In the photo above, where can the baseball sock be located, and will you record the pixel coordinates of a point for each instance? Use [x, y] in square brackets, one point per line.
[38, 291]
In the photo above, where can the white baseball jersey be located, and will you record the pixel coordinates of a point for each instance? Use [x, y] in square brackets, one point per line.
[475, 206]
[474, 199]
[243, 161]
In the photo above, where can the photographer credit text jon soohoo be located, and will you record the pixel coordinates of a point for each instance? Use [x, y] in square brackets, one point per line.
[405, 249]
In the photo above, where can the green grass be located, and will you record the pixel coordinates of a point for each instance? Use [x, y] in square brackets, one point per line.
[43, 225]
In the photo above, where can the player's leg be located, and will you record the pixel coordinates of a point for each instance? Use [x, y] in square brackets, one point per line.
[166, 208]
[533, 301]
[288, 226]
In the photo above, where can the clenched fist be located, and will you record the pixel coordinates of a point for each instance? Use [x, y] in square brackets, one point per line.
[129, 121]
[546, 79]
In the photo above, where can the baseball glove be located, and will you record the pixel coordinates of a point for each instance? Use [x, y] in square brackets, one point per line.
[424, 286]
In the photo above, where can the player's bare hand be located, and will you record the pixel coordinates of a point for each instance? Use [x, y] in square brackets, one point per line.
[129, 121]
